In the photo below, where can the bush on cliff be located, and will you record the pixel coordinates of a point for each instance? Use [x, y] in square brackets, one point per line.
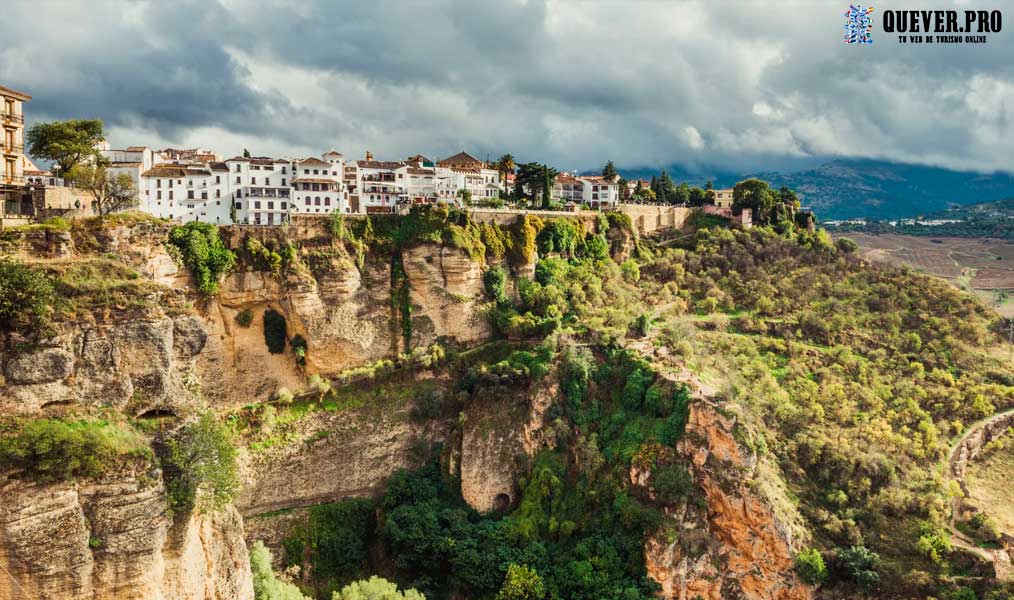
[54, 449]
[26, 294]
[199, 466]
[274, 331]
[203, 253]
[266, 584]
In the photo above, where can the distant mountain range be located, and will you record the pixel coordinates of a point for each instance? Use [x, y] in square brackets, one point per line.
[847, 188]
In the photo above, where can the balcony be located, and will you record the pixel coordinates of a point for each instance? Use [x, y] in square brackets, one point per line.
[9, 118]
[11, 148]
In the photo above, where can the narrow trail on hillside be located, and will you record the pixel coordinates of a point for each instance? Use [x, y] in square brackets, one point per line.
[959, 539]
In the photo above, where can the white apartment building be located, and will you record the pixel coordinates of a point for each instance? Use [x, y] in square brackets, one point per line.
[595, 191]
[465, 172]
[723, 198]
[133, 160]
[318, 185]
[261, 189]
[378, 187]
[187, 193]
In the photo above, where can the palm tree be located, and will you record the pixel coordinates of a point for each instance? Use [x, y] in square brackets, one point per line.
[505, 164]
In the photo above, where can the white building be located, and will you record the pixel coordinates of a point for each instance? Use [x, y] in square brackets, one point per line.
[595, 191]
[318, 185]
[187, 193]
[465, 172]
[376, 185]
[133, 160]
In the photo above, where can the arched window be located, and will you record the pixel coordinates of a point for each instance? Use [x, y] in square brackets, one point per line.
[316, 201]
[308, 201]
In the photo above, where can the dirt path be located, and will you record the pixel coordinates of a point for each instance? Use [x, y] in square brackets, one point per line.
[959, 539]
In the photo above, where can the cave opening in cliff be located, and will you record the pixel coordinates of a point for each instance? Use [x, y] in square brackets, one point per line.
[156, 413]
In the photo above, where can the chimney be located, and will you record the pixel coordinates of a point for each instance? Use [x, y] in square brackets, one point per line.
[369, 155]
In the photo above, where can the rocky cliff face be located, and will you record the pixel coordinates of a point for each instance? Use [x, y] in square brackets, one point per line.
[111, 539]
[497, 432]
[133, 365]
[734, 546]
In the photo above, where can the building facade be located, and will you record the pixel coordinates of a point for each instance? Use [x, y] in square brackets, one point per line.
[12, 152]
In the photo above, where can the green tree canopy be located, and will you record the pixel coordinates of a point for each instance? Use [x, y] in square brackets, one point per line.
[265, 584]
[609, 171]
[522, 583]
[375, 588]
[111, 192]
[199, 465]
[67, 143]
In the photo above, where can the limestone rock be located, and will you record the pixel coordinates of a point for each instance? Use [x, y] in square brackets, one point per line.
[111, 540]
[41, 366]
[737, 548]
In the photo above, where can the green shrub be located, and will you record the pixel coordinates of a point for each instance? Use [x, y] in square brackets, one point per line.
[961, 593]
[27, 295]
[495, 279]
[53, 449]
[375, 588]
[199, 466]
[933, 542]
[810, 567]
[671, 483]
[521, 583]
[244, 317]
[860, 565]
[846, 246]
[275, 335]
[266, 585]
[203, 253]
[335, 540]
[299, 348]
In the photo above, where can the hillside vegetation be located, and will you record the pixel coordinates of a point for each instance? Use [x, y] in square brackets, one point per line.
[846, 382]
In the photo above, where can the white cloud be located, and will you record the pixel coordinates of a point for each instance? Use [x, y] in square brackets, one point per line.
[574, 83]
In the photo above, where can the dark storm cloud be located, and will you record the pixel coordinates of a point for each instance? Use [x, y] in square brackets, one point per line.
[733, 85]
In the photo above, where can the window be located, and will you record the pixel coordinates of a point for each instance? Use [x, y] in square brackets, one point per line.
[159, 194]
[218, 179]
[316, 201]
[283, 181]
[237, 170]
[158, 183]
[308, 201]
[237, 179]
[316, 171]
[254, 168]
[257, 204]
[283, 170]
[285, 206]
[267, 181]
[218, 193]
[170, 194]
[190, 206]
[239, 205]
[271, 205]
[253, 181]
[204, 195]
[190, 195]
[327, 202]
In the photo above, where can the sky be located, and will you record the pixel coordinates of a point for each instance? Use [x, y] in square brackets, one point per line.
[735, 85]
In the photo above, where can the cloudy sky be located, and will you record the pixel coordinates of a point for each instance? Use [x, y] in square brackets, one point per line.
[737, 85]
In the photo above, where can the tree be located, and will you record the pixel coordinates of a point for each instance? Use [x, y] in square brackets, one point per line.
[624, 190]
[609, 171]
[666, 191]
[860, 564]
[504, 165]
[67, 143]
[810, 566]
[538, 179]
[375, 588]
[682, 194]
[203, 253]
[755, 195]
[522, 583]
[26, 294]
[265, 584]
[111, 192]
[199, 466]
[246, 153]
[466, 196]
